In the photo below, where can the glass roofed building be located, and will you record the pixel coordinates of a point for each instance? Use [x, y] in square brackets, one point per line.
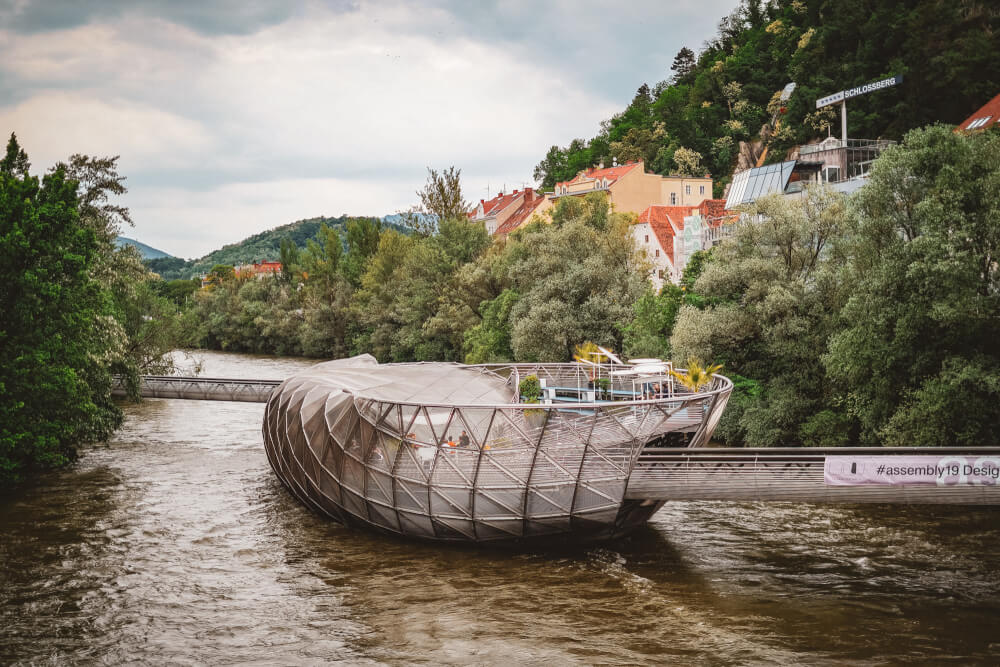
[750, 184]
[842, 167]
[447, 451]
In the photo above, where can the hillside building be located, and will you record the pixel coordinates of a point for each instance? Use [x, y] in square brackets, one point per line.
[843, 167]
[630, 188]
[984, 118]
[506, 212]
[258, 270]
[671, 234]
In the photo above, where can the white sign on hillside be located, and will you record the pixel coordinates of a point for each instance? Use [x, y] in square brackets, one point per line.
[858, 90]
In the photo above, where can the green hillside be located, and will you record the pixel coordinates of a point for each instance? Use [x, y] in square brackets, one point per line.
[259, 247]
[147, 252]
[694, 122]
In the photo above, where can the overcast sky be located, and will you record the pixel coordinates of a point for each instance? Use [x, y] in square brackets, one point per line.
[236, 116]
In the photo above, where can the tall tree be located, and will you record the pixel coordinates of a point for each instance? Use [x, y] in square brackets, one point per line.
[768, 303]
[15, 161]
[441, 196]
[918, 358]
[57, 334]
[683, 63]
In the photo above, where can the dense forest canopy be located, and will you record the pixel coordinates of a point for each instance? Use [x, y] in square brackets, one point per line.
[694, 121]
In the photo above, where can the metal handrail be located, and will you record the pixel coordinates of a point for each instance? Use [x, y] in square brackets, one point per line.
[720, 385]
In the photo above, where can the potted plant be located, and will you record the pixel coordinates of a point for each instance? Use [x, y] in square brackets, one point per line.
[604, 386]
[697, 376]
[531, 389]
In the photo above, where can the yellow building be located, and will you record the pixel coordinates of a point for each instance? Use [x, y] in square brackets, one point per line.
[631, 189]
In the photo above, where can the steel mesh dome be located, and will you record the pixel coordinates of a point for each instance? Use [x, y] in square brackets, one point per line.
[447, 451]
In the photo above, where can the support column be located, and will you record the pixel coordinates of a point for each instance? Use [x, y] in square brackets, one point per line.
[843, 122]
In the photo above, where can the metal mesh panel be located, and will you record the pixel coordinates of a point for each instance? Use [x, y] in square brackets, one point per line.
[448, 452]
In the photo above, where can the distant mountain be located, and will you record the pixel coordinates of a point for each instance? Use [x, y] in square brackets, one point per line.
[147, 252]
[399, 219]
[261, 247]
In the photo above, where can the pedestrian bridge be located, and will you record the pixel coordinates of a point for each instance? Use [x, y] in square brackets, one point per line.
[798, 474]
[203, 389]
[792, 474]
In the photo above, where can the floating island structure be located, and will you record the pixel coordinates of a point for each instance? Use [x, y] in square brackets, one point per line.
[445, 451]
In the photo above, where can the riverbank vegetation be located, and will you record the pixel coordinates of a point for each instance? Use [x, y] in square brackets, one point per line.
[449, 294]
[864, 320]
[76, 310]
[860, 320]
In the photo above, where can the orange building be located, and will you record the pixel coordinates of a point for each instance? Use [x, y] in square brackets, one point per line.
[631, 189]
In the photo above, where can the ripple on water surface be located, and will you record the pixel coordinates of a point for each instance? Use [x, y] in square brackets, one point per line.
[175, 543]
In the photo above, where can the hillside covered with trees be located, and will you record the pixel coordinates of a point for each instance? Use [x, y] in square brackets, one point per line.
[694, 121]
[265, 246]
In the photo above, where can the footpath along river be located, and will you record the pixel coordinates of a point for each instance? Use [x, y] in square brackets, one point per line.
[174, 543]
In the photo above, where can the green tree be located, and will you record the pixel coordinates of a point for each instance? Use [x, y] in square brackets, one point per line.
[489, 341]
[146, 328]
[220, 274]
[918, 358]
[290, 259]
[58, 332]
[577, 281]
[683, 63]
[15, 161]
[441, 196]
[362, 242]
[768, 303]
[177, 291]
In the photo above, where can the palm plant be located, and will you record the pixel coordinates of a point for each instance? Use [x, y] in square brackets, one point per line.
[697, 376]
[588, 352]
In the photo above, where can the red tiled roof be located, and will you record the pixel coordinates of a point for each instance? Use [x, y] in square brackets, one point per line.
[986, 116]
[667, 215]
[497, 204]
[523, 212]
[666, 222]
[715, 213]
[610, 173]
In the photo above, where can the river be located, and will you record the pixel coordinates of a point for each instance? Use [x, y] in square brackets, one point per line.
[174, 543]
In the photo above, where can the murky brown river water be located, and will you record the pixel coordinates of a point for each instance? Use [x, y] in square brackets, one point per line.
[175, 543]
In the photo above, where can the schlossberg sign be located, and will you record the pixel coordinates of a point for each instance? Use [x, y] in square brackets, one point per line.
[859, 90]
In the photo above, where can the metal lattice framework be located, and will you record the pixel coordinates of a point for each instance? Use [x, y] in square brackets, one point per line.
[202, 389]
[374, 445]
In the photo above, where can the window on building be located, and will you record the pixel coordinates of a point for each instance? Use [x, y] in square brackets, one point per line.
[673, 199]
[701, 190]
[647, 238]
[687, 189]
[660, 273]
[657, 252]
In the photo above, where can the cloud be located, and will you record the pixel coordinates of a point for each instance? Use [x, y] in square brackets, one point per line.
[53, 125]
[281, 100]
[219, 17]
